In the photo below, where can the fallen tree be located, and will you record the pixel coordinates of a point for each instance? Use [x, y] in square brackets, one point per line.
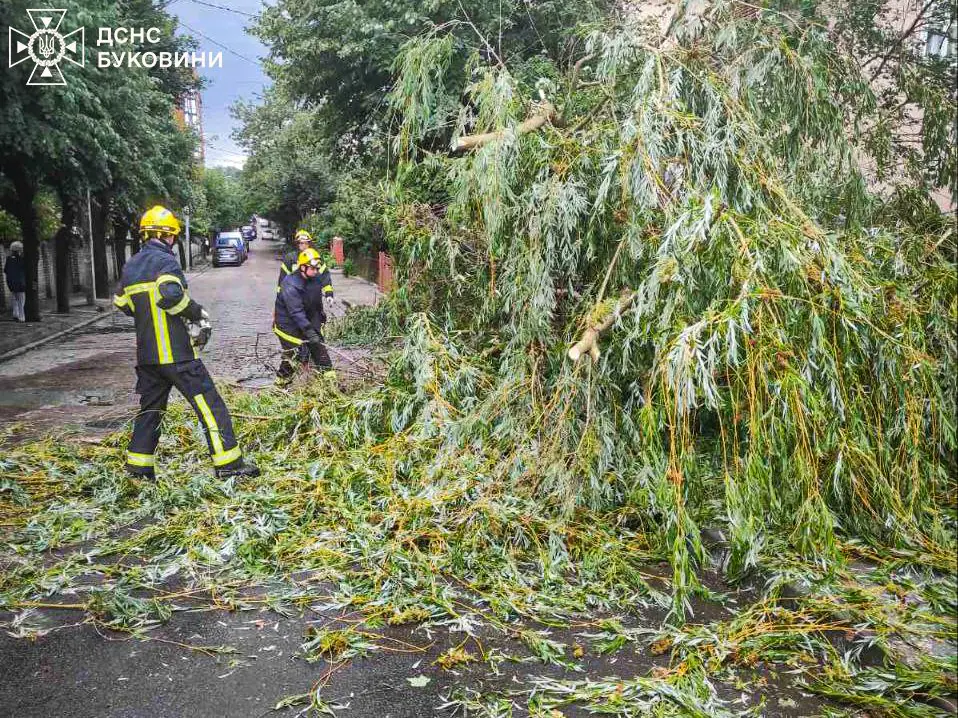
[781, 363]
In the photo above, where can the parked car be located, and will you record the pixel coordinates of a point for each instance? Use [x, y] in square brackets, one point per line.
[229, 248]
[249, 234]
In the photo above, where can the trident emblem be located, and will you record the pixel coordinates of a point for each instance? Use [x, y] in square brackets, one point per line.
[46, 47]
[45, 43]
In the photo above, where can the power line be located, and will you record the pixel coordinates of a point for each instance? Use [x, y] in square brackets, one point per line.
[218, 43]
[221, 7]
[223, 150]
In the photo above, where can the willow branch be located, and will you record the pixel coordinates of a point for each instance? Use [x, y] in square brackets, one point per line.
[589, 343]
[470, 142]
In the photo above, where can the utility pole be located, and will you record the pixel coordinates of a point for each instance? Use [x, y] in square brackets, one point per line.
[91, 293]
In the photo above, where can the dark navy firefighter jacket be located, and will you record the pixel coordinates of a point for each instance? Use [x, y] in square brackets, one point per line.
[316, 289]
[291, 316]
[153, 291]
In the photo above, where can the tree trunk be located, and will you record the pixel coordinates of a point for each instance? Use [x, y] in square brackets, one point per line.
[47, 265]
[179, 246]
[119, 243]
[101, 218]
[61, 255]
[26, 213]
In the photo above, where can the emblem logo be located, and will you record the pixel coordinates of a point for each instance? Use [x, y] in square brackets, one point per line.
[46, 47]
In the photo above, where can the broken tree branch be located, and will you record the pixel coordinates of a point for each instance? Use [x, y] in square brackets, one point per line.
[545, 114]
[589, 343]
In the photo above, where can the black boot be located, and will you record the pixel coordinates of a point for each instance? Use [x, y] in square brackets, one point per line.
[240, 469]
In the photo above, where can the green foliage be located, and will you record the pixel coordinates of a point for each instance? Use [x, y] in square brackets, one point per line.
[363, 326]
[48, 216]
[391, 524]
[318, 142]
[337, 59]
[356, 210]
[221, 206]
[888, 41]
[287, 175]
[111, 131]
[773, 366]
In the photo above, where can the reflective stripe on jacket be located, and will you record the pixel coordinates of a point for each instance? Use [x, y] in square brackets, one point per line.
[288, 266]
[153, 290]
[290, 320]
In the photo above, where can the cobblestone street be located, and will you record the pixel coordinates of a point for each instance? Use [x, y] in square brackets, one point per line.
[84, 381]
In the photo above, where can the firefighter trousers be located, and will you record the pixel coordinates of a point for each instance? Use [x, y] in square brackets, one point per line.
[193, 381]
[303, 353]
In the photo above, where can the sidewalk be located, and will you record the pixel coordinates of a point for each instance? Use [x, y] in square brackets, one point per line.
[16, 336]
[352, 291]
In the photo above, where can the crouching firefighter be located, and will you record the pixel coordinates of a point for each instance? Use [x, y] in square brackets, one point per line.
[291, 318]
[170, 328]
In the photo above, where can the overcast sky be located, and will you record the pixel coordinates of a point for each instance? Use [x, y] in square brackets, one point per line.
[224, 28]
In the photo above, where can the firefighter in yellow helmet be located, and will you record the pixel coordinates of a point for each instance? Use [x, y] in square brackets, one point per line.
[301, 240]
[170, 328]
[291, 318]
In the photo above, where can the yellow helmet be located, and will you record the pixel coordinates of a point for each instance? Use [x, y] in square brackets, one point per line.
[303, 234]
[309, 257]
[159, 220]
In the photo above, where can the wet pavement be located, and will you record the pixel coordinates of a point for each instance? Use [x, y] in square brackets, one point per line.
[83, 382]
[244, 663]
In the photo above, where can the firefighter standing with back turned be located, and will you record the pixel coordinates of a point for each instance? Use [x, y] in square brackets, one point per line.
[291, 317]
[170, 327]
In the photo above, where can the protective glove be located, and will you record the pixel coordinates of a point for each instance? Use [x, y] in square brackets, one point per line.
[201, 331]
[312, 337]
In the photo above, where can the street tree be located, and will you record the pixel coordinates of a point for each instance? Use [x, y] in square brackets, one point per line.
[109, 132]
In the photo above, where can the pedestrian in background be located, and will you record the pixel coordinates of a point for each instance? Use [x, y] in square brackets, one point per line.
[16, 280]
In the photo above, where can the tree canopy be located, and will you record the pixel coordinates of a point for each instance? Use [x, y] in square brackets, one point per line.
[110, 132]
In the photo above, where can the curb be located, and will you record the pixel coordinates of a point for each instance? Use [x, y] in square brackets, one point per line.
[56, 335]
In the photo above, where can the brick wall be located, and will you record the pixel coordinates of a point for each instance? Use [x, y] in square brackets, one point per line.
[336, 247]
[385, 274]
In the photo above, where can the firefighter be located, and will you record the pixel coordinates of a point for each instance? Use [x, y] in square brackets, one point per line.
[302, 241]
[287, 265]
[170, 328]
[320, 291]
[291, 317]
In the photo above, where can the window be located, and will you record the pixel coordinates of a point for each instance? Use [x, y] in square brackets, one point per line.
[941, 40]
